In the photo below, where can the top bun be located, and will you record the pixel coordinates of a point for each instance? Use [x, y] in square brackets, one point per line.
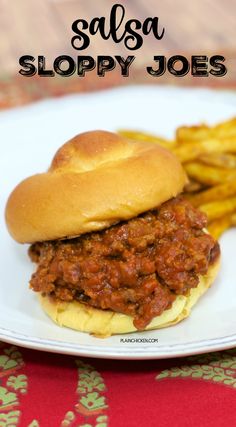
[95, 180]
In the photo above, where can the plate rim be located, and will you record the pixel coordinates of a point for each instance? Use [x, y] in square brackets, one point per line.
[141, 353]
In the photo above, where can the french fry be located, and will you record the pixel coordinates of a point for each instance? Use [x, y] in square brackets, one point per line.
[143, 136]
[224, 160]
[226, 128]
[192, 133]
[190, 151]
[208, 175]
[195, 133]
[218, 226]
[233, 219]
[193, 186]
[217, 209]
[218, 192]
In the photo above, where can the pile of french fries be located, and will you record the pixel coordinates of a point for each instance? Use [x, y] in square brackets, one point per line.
[208, 155]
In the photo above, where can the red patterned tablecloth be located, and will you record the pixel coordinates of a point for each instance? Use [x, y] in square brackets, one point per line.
[51, 390]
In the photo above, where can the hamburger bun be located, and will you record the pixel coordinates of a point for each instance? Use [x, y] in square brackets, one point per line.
[95, 180]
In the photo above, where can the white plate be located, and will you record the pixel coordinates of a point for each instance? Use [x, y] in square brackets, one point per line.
[29, 138]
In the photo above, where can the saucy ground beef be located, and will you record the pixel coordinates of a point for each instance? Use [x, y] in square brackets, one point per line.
[137, 267]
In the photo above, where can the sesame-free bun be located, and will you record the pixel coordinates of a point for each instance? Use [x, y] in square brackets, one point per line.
[96, 179]
[104, 323]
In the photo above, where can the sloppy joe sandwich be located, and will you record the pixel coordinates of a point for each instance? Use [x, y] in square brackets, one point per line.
[117, 248]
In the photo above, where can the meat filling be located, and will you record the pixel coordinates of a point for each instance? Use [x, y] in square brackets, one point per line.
[137, 267]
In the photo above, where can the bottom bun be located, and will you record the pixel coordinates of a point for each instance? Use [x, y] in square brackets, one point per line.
[103, 323]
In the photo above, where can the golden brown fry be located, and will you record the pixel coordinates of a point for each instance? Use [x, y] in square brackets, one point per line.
[218, 209]
[143, 136]
[191, 151]
[225, 129]
[193, 186]
[218, 192]
[192, 133]
[209, 175]
[233, 219]
[224, 160]
[218, 226]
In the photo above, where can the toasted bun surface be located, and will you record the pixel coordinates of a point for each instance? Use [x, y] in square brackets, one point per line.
[95, 180]
[104, 323]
